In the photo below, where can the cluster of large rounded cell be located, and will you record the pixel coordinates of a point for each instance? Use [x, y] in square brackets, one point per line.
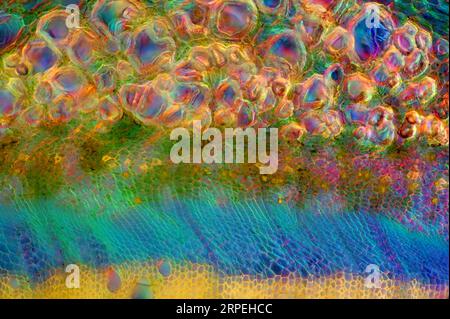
[321, 66]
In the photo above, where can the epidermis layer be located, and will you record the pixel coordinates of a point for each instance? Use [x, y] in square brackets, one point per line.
[358, 90]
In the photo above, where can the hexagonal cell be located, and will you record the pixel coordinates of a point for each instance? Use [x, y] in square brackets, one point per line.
[81, 47]
[39, 56]
[404, 38]
[234, 19]
[312, 94]
[283, 51]
[152, 104]
[11, 27]
[112, 17]
[359, 88]
[148, 52]
[370, 39]
[61, 109]
[105, 78]
[356, 114]
[338, 42]
[67, 80]
[416, 63]
[381, 75]
[53, 28]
